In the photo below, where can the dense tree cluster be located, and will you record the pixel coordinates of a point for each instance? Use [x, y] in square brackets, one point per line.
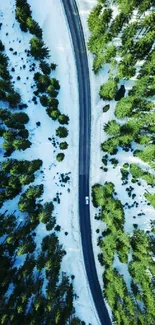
[104, 29]
[125, 41]
[138, 172]
[136, 44]
[12, 127]
[114, 242]
[7, 92]
[24, 17]
[13, 131]
[33, 289]
[14, 174]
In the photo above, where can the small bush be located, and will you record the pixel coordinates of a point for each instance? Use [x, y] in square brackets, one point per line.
[44, 100]
[63, 119]
[63, 145]
[108, 90]
[60, 156]
[62, 132]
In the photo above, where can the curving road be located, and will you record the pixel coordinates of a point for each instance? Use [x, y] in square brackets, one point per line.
[76, 30]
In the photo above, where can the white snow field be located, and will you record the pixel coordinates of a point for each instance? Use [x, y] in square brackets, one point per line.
[50, 15]
[97, 175]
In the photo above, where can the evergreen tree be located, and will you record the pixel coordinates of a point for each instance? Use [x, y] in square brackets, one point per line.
[60, 156]
[63, 145]
[38, 49]
[45, 67]
[108, 90]
[61, 132]
[21, 144]
[33, 27]
[63, 119]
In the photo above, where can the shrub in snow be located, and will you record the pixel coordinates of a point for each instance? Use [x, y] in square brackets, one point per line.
[53, 113]
[53, 102]
[63, 119]
[53, 66]
[45, 67]
[63, 145]
[108, 90]
[13, 98]
[55, 83]
[52, 92]
[60, 156]
[44, 100]
[61, 132]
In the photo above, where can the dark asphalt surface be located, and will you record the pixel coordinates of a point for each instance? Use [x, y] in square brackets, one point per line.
[79, 46]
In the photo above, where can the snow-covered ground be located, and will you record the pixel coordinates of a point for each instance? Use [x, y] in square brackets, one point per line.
[97, 175]
[50, 15]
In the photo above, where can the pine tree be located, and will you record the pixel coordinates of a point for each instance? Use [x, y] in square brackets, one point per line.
[38, 49]
[34, 27]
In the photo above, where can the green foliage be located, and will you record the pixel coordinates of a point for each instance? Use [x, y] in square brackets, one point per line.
[137, 172]
[124, 107]
[38, 49]
[135, 49]
[45, 67]
[22, 13]
[43, 296]
[123, 246]
[60, 156]
[21, 118]
[147, 154]
[16, 173]
[27, 247]
[61, 132]
[33, 27]
[44, 100]
[108, 90]
[151, 198]
[112, 128]
[42, 81]
[13, 98]
[110, 145]
[34, 192]
[53, 113]
[124, 173]
[26, 179]
[55, 83]
[63, 145]
[100, 193]
[63, 119]
[27, 199]
[46, 213]
[51, 91]
[94, 17]
[21, 144]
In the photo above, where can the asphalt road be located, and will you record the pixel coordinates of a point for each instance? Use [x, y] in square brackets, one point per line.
[79, 46]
